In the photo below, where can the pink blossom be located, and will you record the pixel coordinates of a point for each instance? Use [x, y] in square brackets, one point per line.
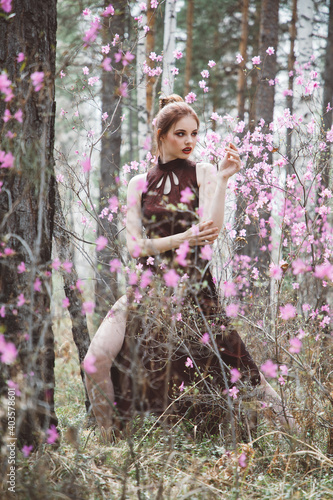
[287, 312]
[37, 285]
[182, 252]
[113, 204]
[52, 434]
[295, 345]
[91, 35]
[136, 251]
[109, 11]
[324, 271]
[154, 4]
[105, 116]
[146, 278]
[206, 252]
[175, 71]
[181, 387]
[122, 90]
[233, 392]
[171, 278]
[205, 338]
[6, 159]
[6, 5]
[86, 165]
[211, 63]
[275, 271]
[62, 74]
[232, 310]
[26, 450]
[177, 54]
[128, 57]
[190, 98]
[67, 266]
[37, 79]
[186, 195]
[239, 58]
[20, 57]
[101, 243]
[281, 380]
[115, 265]
[300, 267]
[133, 278]
[235, 375]
[106, 64]
[65, 302]
[19, 115]
[56, 264]
[2, 312]
[242, 460]
[150, 261]
[284, 369]
[256, 60]
[8, 351]
[189, 363]
[270, 51]
[6, 116]
[85, 70]
[20, 300]
[229, 289]
[79, 285]
[88, 307]
[92, 80]
[269, 369]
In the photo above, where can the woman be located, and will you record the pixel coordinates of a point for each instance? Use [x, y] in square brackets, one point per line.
[180, 205]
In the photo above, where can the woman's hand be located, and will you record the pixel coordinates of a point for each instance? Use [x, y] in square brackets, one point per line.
[231, 162]
[201, 234]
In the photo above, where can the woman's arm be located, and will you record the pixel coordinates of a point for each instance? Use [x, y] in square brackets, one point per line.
[205, 232]
[213, 185]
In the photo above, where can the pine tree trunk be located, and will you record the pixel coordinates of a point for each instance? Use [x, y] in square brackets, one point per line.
[106, 285]
[241, 84]
[169, 45]
[27, 213]
[328, 94]
[189, 44]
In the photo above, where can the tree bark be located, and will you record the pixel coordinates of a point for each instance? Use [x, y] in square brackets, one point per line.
[150, 45]
[79, 322]
[241, 84]
[169, 45]
[291, 64]
[106, 285]
[27, 213]
[328, 95]
[189, 44]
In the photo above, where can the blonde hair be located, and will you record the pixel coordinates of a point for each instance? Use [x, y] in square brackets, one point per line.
[172, 109]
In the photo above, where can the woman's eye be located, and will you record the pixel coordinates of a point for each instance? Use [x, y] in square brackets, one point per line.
[180, 134]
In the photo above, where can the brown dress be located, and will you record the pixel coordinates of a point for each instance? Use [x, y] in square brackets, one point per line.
[165, 362]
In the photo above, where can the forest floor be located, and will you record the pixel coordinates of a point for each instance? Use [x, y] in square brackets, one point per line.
[159, 463]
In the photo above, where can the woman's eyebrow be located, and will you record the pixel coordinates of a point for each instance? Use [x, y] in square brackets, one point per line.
[183, 130]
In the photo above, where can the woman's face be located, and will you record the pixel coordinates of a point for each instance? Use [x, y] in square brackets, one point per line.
[180, 140]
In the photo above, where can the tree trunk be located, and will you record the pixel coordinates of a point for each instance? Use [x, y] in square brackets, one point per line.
[291, 64]
[269, 24]
[79, 323]
[150, 45]
[27, 213]
[169, 45]
[189, 44]
[141, 90]
[328, 94]
[106, 285]
[241, 84]
[264, 109]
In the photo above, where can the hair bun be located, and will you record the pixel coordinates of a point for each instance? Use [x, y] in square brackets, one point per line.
[164, 101]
